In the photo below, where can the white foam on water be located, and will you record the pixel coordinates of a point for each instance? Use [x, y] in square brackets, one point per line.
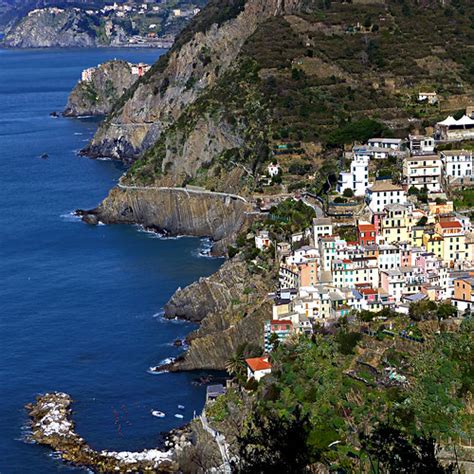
[70, 217]
[152, 371]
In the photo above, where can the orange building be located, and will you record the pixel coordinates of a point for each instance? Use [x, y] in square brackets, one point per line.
[308, 273]
[464, 293]
[366, 234]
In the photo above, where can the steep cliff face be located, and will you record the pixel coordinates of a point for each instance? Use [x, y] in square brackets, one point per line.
[54, 27]
[231, 305]
[98, 95]
[177, 212]
[191, 67]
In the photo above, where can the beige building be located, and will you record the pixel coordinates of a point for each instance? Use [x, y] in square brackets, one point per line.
[422, 172]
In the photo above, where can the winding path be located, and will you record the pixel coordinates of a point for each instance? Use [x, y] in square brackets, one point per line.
[221, 443]
[184, 190]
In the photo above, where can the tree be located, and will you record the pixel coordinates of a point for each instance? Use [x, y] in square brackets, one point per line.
[423, 310]
[413, 191]
[391, 451]
[348, 193]
[445, 311]
[275, 444]
[422, 222]
[236, 365]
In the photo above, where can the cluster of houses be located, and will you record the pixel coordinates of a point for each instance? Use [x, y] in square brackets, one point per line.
[138, 70]
[392, 264]
[404, 252]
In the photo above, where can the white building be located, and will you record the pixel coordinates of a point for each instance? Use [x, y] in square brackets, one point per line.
[389, 257]
[258, 367]
[357, 179]
[390, 143]
[273, 169]
[456, 163]
[421, 145]
[371, 152]
[383, 193]
[429, 97]
[451, 129]
[321, 227]
[423, 171]
[86, 75]
[262, 240]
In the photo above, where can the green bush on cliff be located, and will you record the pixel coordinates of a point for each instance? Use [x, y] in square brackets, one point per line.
[312, 377]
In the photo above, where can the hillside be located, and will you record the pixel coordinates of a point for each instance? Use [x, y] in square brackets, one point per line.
[64, 23]
[97, 96]
[228, 91]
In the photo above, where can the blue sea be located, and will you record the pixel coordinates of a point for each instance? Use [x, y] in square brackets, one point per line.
[79, 305]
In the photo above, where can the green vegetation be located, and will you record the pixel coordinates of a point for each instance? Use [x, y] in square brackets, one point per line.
[348, 414]
[288, 217]
[464, 199]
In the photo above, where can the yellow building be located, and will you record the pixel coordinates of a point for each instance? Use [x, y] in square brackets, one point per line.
[434, 242]
[454, 240]
[397, 224]
[417, 233]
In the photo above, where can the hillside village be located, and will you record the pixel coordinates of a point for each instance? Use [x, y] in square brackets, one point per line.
[411, 243]
[149, 23]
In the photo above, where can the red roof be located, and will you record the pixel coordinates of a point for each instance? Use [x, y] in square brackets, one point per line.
[258, 363]
[366, 228]
[280, 322]
[368, 291]
[450, 224]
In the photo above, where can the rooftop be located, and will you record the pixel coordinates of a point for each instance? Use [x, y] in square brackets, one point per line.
[424, 158]
[450, 224]
[258, 363]
[385, 185]
[322, 221]
[366, 227]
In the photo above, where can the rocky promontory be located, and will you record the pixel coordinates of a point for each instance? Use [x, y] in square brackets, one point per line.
[60, 28]
[101, 87]
[177, 211]
[52, 426]
[231, 306]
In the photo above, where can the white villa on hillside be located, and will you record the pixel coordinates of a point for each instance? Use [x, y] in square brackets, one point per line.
[357, 179]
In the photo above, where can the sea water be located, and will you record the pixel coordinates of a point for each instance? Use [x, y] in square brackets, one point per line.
[79, 305]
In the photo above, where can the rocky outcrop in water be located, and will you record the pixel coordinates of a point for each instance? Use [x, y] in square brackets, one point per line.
[105, 85]
[231, 306]
[177, 212]
[52, 426]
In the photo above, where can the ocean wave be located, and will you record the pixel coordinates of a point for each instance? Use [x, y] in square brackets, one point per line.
[70, 217]
[153, 371]
[161, 319]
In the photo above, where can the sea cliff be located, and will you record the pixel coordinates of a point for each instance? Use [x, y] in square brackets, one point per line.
[60, 28]
[231, 306]
[202, 54]
[98, 94]
[176, 211]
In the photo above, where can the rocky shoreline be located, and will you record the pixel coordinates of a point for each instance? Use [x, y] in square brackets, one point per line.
[52, 426]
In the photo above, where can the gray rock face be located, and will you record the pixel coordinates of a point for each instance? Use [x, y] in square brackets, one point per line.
[50, 28]
[96, 97]
[231, 306]
[190, 70]
[61, 28]
[177, 212]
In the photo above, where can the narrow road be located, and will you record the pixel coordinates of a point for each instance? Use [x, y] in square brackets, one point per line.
[221, 443]
[184, 190]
